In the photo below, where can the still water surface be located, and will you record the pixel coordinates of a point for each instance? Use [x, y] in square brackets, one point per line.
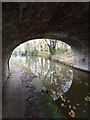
[68, 87]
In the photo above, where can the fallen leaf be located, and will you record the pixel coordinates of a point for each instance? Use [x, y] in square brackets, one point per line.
[86, 84]
[62, 105]
[84, 111]
[74, 107]
[77, 104]
[68, 101]
[72, 113]
[87, 98]
[69, 106]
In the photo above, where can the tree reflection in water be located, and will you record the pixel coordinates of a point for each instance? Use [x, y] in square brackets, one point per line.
[60, 82]
[55, 78]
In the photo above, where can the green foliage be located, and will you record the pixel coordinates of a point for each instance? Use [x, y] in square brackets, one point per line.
[44, 53]
[34, 52]
[45, 47]
[27, 48]
[52, 47]
[30, 49]
[63, 48]
[50, 106]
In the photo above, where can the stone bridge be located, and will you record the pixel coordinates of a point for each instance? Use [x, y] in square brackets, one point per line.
[67, 22]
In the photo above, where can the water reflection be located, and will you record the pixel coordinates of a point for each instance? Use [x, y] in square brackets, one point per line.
[68, 87]
[52, 74]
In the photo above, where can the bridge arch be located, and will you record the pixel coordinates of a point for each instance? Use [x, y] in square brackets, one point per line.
[62, 21]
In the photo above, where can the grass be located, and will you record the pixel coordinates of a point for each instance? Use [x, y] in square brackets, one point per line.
[16, 62]
[23, 67]
[50, 106]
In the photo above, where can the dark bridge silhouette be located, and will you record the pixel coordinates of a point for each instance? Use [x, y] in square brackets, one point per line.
[67, 22]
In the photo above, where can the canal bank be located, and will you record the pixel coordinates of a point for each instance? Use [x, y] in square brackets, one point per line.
[23, 100]
[57, 77]
[68, 63]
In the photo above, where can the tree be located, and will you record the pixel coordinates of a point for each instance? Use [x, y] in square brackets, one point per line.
[52, 46]
[27, 48]
[63, 47]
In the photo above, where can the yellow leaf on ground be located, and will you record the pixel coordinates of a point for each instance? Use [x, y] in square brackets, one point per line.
[74, 107]
[69, 106]
[62, 105]
[72, 113]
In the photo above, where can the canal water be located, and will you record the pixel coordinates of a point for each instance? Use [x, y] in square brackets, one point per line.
[68, 87]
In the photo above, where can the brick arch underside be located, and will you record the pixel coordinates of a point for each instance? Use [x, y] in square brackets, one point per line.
[62, 21]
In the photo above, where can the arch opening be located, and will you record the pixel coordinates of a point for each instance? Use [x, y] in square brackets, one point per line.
[46, 48]
[44, 57]
[25, 21]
